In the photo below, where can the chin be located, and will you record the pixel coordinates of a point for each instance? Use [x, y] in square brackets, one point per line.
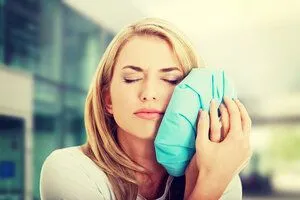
[146, 134]
[143, 130]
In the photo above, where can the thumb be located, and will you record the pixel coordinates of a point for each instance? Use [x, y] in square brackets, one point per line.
[202, 127]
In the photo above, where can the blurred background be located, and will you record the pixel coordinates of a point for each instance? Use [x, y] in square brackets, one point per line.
[49, 50]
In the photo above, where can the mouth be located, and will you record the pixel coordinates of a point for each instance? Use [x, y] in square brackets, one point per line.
[149, 115]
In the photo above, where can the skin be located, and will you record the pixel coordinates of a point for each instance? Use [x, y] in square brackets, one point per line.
[146, 86]
[213, 163]
[152, 89]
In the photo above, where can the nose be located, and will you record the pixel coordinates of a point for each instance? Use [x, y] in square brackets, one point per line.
[149, 91]
[147, 99]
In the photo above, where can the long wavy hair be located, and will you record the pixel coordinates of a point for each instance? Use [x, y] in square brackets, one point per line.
[102, 146]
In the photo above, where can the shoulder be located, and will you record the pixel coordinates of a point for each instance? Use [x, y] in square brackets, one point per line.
[68, 174]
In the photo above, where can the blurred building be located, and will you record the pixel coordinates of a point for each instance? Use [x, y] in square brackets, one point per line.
[48, 54]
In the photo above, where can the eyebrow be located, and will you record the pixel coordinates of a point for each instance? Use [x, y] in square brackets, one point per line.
[139, 69]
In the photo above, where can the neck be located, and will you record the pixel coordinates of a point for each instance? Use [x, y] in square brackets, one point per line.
[153, 180]
[140, 151]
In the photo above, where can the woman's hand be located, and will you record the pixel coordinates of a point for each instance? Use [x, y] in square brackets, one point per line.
[221, 150]
[217, 133]
[230, 155]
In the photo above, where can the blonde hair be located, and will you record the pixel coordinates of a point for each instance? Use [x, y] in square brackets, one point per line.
[102, 146]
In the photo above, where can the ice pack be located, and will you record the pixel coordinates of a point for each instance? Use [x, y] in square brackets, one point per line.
[175, 139]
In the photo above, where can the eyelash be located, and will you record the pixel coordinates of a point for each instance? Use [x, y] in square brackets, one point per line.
[173, 82]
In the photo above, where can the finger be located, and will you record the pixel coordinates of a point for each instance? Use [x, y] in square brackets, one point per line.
[224, 120]
[215, 126]
[202, 127]
[246, 120]
[234, 115]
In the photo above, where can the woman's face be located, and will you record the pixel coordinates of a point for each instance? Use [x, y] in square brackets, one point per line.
[143, 81]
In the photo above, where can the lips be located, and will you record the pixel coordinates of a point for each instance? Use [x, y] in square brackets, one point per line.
[149, 114]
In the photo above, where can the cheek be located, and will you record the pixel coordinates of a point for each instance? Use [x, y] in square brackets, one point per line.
[124, 105]
[120, 109]
[122, 100]
[122, 93]
[167, 95]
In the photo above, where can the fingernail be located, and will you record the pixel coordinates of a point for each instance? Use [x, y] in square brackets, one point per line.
[203, 114]
[199, 113]
[212, 101]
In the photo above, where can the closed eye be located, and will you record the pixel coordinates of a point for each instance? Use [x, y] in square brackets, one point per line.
[173, 82]
[131, 80]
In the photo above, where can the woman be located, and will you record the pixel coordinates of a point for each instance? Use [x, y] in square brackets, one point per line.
[124, 107]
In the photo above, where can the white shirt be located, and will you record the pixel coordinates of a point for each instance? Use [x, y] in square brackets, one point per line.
[69, 174]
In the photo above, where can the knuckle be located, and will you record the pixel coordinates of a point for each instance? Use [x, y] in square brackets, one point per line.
[236, 110]
[235, 130]
[237, 138]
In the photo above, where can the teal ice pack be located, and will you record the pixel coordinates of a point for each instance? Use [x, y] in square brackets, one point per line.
[175, 140]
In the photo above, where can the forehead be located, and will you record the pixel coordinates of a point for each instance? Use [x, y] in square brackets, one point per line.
[147, 52]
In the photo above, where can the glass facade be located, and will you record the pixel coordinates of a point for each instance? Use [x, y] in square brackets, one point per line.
[61, 49]
[1, 30]
[12, 131]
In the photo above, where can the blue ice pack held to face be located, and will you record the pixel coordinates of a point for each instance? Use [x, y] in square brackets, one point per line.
[175, 140]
